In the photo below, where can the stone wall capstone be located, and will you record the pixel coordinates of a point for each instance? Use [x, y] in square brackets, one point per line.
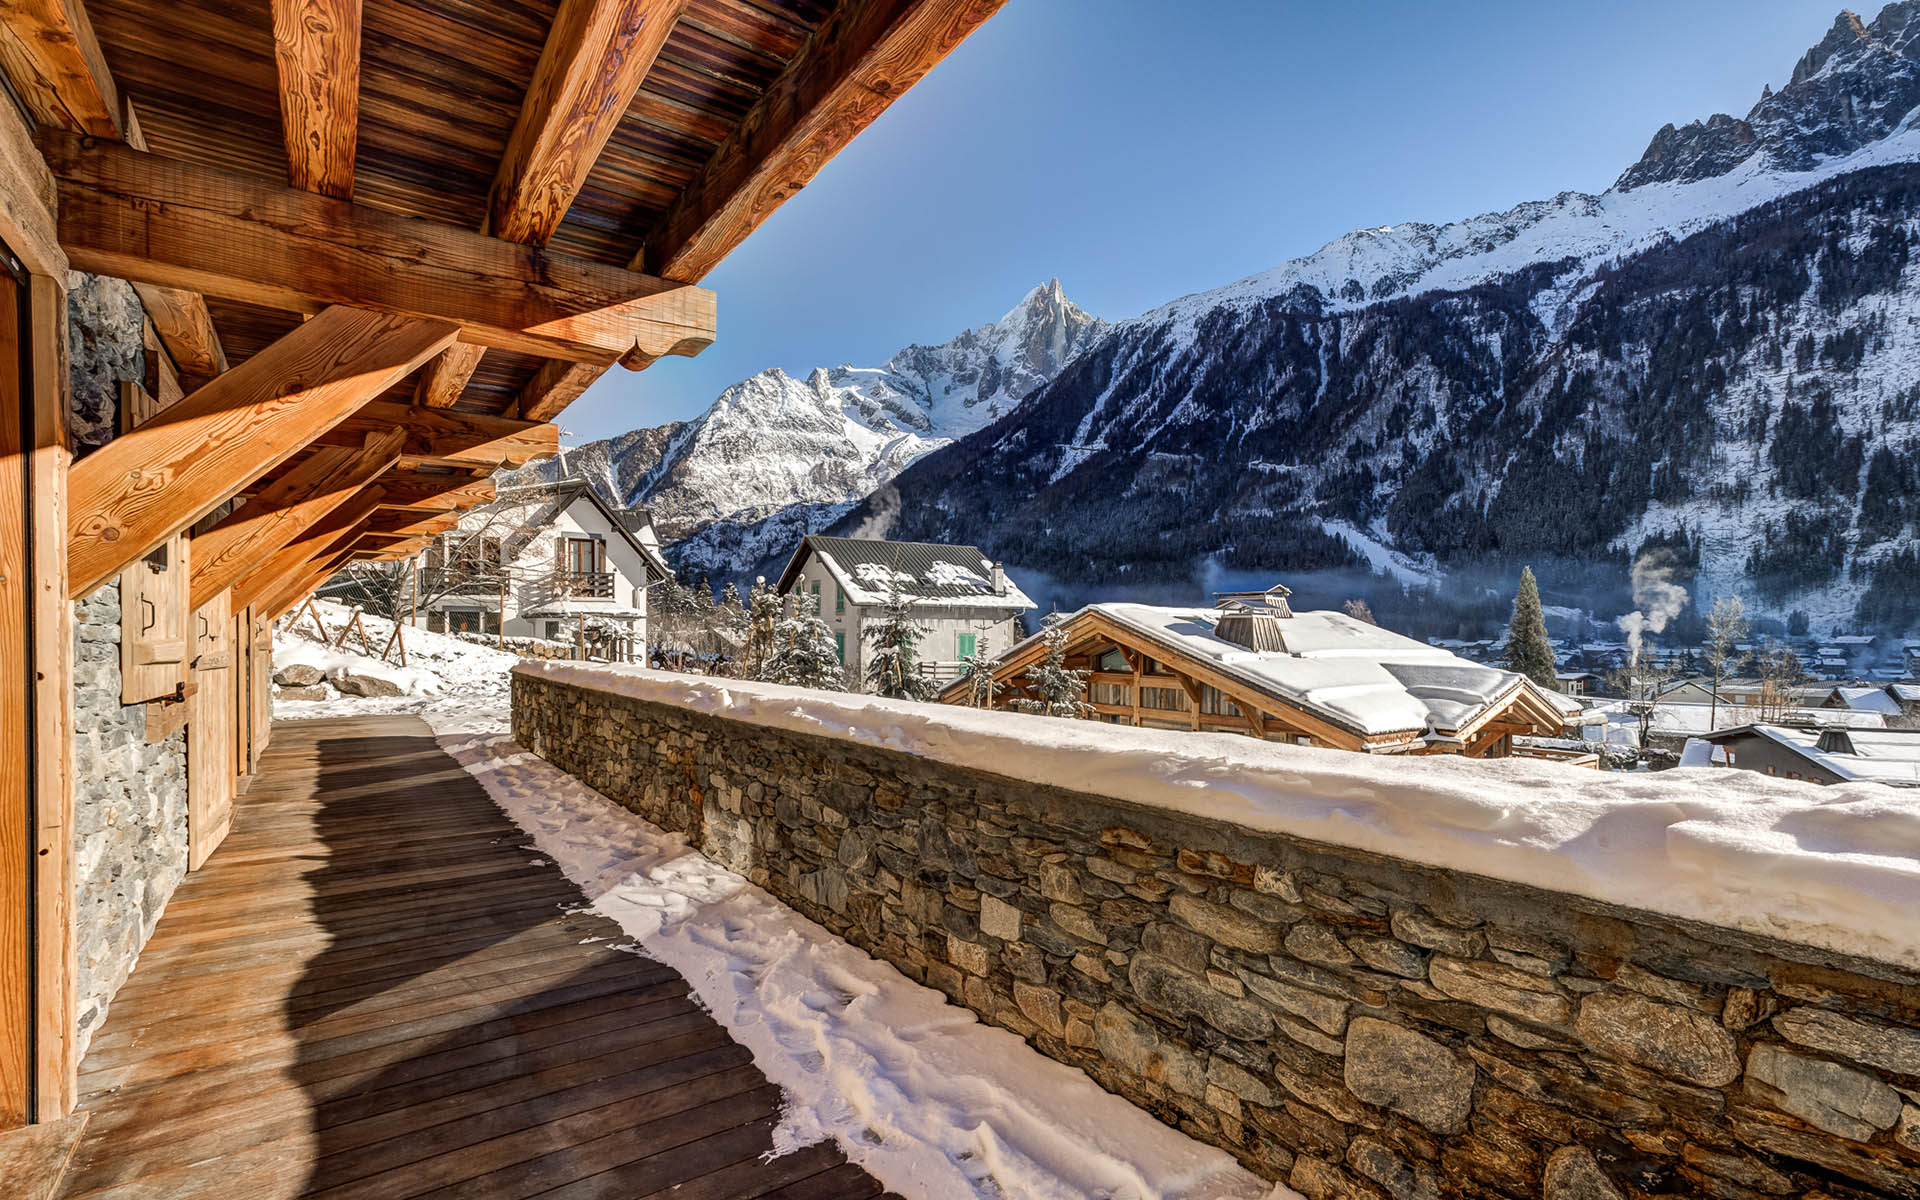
[1354, 1025]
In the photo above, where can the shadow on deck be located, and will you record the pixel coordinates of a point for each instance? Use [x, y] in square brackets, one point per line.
[377, 987]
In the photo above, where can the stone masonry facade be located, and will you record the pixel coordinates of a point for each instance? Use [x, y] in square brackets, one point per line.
[129, 797]
[1353, 1025]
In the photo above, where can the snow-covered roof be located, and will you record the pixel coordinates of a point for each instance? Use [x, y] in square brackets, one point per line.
[928, 573]
[1889, 756]
[1349, 672]
[1869, 699]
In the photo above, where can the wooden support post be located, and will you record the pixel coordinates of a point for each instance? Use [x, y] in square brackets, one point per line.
[136, 491]
[307, 609]
[393, 641]
[500, 620]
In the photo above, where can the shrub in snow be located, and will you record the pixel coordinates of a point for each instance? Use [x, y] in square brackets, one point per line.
[804, 655]
[1061, 691]
[890, 667]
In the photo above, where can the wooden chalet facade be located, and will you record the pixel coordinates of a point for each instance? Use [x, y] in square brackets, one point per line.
[363, 257]
[1260, 670]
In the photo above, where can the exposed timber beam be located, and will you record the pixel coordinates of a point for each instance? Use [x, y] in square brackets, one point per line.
[446, 377]
[554, 386]
[435, 493]
[336, 531]
[299, 585]
[224, 233]
[595, 56]
[861, 59]
[278, 513]
[316, 48]
[140, 489]
[54, 62]
[442, 437]
[403, 523]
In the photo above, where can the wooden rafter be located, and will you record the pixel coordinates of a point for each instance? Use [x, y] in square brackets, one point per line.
[333, 533]
[138, 490]
[52, 58]
[228, 234]
[277, 514]
[554, 386]
[446, 376]
[435, 493]
[316, 49]
[442, 437]
[860, 60]
[595, 56]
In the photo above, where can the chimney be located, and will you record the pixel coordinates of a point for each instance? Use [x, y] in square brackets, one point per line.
[998, 574]
[1254, 626]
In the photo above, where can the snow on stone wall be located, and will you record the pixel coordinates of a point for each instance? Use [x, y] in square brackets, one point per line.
[1212, 928]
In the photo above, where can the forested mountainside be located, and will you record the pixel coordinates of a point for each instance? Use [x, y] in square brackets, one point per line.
[1718, 359]
[775, 457]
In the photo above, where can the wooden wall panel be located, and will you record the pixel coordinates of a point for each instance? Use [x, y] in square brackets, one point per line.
[16, 732]
[210, 755]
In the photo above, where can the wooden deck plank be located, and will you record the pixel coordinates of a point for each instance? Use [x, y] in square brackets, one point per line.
[377, 987]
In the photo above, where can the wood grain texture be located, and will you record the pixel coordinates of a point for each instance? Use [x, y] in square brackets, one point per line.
[184, 324]
[443, 437]
[556, 385]
[316, 49]
[16, 726]
[56, 1001]
[210, 732]
[435, 493]
[595, 56]
[54, 61]
[221, 233]
[857, 63]
[27, 198]
[446, 377]
[33, 1159]
[376, 989]
[329, 534]
[277, 514]
[133, 493]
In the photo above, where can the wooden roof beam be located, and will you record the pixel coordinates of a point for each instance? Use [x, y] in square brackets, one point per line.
[404, 523]
[280, 512]
[596, 54]
[554, 386]
[435, 493]
[316, 48]
[51, 56]
[861, 59]
[139, 489]
[224, 233]
[442, 437]
[446, 377]
[331, 534]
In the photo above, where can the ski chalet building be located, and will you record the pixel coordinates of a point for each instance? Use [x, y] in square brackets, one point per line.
[548, 561]
[1252, 665]
[964, 600]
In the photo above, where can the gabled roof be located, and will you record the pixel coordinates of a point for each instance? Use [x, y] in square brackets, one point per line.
[1349, 673]
[927, 572]
[1889, 756]
[569, 492]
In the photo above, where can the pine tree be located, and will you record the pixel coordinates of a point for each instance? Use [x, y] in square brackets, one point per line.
[763, 619]
[1529, 652]
[1062, 691]
[976, 671]
[805, 655]
[890, 666]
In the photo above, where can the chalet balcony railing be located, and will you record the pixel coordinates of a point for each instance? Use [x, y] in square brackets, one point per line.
[583, 585]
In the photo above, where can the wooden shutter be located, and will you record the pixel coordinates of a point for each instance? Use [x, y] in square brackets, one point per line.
[210, 731]
[154, 637]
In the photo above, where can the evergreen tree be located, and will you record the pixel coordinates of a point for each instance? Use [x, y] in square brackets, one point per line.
[1062, 691]
[1529, 652]
[763, 619]
[805, 655]
[890, 665]
[976, 670]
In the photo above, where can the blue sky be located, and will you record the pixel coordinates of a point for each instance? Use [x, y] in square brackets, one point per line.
[1143, 149]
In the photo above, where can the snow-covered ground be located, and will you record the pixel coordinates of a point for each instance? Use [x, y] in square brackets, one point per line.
[920, 1092]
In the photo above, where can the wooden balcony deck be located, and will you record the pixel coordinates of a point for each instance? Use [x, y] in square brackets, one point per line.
[376, 989]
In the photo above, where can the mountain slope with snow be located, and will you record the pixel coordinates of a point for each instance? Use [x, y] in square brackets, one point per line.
[776, 457]
[1717, 360]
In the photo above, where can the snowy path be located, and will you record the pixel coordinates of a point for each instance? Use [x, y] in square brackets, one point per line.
[936, 1104]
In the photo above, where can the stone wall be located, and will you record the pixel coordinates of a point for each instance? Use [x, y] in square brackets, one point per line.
[129, 814]
[130, 798]
[1354, 1025]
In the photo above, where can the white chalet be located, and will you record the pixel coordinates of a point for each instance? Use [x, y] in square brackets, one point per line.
[546, 561]
[964, 600]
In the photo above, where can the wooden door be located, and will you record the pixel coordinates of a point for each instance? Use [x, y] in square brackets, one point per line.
[16, 718]
[210, 730]
[260, 683]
